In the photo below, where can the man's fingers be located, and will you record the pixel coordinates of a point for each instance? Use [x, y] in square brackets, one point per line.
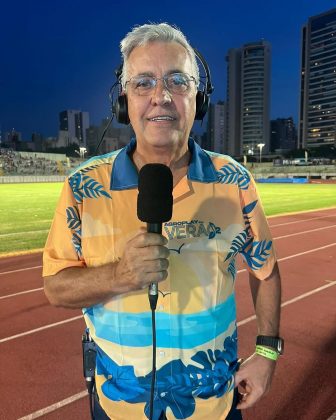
[155, 277]
[248, 399]
[238, 378]
[143, 239]
[154, 266]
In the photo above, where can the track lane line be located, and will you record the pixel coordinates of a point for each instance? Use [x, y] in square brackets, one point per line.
[29, 232]
[21, 269]
[304, 232]
[296, 255]
[83, 394]
[55, 406]
[45, 327]
[288, 302]
[21, 293]
[306, 252]
[300, 221]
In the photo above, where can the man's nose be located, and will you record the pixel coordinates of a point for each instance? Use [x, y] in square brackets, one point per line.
[161, 94]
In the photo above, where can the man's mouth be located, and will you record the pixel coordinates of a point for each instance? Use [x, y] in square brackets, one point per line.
[161, 118]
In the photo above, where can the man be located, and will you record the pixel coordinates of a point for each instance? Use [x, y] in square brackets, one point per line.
[99, 256]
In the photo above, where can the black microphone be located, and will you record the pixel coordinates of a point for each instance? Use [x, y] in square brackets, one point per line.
[155, 203]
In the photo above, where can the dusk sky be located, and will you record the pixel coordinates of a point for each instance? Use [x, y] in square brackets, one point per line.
[62, 55]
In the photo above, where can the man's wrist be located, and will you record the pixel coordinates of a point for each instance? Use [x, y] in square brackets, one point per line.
[274, 343]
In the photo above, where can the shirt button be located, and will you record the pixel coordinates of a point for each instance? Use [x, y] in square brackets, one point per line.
[160, 307]
[162, 353]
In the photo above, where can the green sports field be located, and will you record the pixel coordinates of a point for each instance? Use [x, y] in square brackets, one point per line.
[26, 210]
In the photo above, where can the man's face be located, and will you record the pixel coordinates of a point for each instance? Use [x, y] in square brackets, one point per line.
[160, 59]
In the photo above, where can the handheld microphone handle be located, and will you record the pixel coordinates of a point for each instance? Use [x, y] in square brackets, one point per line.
[153, 290]
[154, 228]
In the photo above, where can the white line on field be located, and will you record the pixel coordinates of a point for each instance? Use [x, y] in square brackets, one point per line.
[306, 252]
[297, 255]
[305, 231]
[288, 302]
[55, 406]
[45, 327]
[21, 293]
[301, 221]
[30, 232]
[83, 394]
[21, 269]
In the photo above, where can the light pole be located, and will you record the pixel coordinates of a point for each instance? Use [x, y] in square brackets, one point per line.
[260, 145]
[82, 151]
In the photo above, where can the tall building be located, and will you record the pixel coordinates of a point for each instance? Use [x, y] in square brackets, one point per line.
[73, 125]
[216, 127]
[248, 98]
[37, 140]
[283, 134]
[13, 139]
[317, 114]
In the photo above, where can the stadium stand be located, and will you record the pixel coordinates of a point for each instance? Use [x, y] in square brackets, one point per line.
[29, 163]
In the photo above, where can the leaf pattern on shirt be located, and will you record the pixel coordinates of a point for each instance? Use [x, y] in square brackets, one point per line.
[74, 224]
[84, 186]
[246, 211]
[232, 268]
[237, 244]
[257, 254]
[233, 173]
[177, 385]
[73, 220]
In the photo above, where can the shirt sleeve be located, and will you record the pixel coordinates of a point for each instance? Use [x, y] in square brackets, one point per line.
[258, 250]
[63, 248]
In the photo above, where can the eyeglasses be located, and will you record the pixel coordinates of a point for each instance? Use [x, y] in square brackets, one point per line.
[178, 83]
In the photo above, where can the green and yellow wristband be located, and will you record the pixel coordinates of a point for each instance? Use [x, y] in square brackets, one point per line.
[267, 352]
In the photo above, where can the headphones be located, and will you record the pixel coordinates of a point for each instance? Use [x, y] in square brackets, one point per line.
[119, 108]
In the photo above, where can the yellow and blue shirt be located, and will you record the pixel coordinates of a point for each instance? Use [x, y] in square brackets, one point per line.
[217, 214]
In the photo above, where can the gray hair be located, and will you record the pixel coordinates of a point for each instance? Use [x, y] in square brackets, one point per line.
[160, 32]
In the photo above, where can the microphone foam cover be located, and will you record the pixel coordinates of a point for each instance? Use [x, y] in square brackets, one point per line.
[155, 199]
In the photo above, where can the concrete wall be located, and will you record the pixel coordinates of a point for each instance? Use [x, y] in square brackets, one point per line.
[19, 179]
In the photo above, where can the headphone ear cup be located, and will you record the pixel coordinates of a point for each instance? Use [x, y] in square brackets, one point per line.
[202, 104]
[121, 110]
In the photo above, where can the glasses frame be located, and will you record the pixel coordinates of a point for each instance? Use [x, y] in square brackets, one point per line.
[165, 83]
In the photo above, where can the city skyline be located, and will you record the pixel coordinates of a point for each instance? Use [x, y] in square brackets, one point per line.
[65, 58]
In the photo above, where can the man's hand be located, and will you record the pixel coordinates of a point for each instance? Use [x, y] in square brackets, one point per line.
[253, 379]
[145, 261]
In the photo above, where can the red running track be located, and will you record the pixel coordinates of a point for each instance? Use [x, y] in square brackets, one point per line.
[40, 346]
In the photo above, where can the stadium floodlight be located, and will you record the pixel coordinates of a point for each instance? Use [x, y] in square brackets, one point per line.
[82, 151]
[260, 145]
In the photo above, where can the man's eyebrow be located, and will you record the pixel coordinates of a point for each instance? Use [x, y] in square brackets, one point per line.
[145, 73]
[151, 74]
[174, 71]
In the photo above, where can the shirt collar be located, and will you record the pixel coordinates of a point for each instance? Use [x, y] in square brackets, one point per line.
[125, 175]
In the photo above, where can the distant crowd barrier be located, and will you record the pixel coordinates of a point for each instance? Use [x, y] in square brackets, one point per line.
[18, 179]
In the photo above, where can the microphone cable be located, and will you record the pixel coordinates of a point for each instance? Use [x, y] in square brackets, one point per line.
[153, 300]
